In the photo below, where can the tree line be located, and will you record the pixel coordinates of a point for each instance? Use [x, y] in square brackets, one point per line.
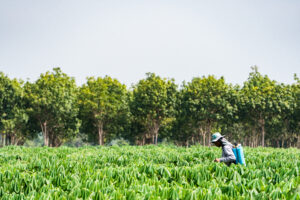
[261, 112]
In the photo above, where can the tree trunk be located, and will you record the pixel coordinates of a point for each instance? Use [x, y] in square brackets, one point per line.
[209, 134]
[8, 140]
[44, 130]
[255, 141]
[13, 137]
[50, 139]
[192, 141]
[45, 133]
[3, 139]
[298, 141]
[17, 141]
[252, 137]
[202, 133]
[263, 133]
[155, 132]
[56, 142]
[153, 138]
[100, 134]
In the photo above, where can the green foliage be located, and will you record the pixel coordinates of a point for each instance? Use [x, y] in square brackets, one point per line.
[204, 103]
[296, 114]
[103, 107]
[153, 103]
[13, 116]
[263, 100]
[52, 101]
[260, 112]
[259, 96]
[208, 99]
[148, 172]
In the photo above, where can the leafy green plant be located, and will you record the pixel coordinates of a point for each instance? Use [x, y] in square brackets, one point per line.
[146, 172]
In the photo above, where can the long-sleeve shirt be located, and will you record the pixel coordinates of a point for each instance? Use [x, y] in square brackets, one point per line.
[228, 156]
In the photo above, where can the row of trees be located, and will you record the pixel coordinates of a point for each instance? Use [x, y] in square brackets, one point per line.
[262, 112]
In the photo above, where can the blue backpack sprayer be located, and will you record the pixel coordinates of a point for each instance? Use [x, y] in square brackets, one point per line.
[239, 154]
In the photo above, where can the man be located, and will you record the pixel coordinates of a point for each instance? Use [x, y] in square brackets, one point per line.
[228, 156]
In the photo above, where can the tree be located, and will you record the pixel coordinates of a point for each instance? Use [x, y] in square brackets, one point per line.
[285, 108]
[260, 100]
[103, 106]
[207, 101]
[13, 117]
[295, 119]
[15, 122]
[52, 103]
[152, 105]
[184, 130]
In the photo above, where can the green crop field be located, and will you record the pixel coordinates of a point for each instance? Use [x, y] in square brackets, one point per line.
[146, 172]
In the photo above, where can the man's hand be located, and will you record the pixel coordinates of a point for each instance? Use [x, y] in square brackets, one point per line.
[217, 160]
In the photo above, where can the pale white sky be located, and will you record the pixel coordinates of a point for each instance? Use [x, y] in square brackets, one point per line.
[126, 39]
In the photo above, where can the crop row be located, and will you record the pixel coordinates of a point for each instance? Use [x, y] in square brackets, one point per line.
[150, 172]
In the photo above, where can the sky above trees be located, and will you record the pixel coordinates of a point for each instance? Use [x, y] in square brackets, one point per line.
[126, 39]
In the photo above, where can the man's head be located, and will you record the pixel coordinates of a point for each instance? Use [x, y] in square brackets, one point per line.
[216, 139]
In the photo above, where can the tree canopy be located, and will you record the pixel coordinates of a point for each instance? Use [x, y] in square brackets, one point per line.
[52, 103]
[153, 103]
[260, 112]
[102, 103]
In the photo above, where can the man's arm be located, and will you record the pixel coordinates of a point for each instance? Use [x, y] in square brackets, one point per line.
[228, 154]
